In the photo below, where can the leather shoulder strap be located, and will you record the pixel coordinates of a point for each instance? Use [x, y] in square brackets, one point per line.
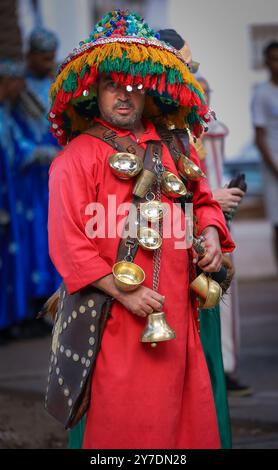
[130, 244]
[110, 137]
[176, 140]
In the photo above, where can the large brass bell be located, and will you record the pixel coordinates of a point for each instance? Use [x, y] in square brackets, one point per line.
[171, 185]
[157, 329]
[127, 275]
[208, 291]
[125, 165]
[153, 210]
[143, 183]
[149, 238]
[189, 168]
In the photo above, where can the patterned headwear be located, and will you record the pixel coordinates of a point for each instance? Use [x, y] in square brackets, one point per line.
[127, 49]
[42, 40]
[12, 68]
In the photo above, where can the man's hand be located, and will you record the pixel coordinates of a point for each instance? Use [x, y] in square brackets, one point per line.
[212, 261]
[142, 301]
[228, 198]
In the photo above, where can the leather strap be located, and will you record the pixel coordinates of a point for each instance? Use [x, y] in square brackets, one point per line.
[110, 137]
[177, 142]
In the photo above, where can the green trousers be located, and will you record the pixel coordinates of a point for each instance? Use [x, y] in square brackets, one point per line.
[211, 341]
[76, 435]
[210, 331]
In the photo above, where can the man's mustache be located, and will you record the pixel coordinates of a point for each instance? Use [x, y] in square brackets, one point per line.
[123, 105]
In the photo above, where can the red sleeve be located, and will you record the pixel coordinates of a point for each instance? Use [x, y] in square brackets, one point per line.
[75, 256]
[207, 210]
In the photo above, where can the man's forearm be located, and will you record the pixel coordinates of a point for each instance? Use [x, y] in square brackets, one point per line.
[107, 285]
[266, 153]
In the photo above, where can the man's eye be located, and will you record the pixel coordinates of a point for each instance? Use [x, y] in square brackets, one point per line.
[112, 85]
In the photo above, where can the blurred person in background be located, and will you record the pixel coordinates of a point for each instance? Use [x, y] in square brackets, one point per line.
[32, 172]
[210, 329]
[12, 275]
[265, 122]
[211, 150]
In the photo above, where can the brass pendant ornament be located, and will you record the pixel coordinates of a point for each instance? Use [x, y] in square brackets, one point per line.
[127, 275]
[171, 185]
[125, 165]
[153, 210]
[148, 238]
[208, 290]
[189, 169]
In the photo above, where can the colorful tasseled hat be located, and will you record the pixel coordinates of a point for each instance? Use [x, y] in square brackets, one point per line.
[125, 47]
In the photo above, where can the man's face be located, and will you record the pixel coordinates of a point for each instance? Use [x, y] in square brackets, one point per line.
[272, 61]
[13, 87]
[42, 63]
[118, 106]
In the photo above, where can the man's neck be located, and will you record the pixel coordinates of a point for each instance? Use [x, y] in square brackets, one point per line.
[137, 130]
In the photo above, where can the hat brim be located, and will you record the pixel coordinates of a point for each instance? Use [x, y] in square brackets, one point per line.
[174, 97]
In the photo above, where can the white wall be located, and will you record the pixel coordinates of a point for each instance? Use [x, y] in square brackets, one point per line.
[217, 31]
[71, 19]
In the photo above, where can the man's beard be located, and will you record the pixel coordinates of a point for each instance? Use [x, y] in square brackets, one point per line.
[124, 122]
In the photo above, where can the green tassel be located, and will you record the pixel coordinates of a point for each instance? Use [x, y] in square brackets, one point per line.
[85, 69]
[70, 84]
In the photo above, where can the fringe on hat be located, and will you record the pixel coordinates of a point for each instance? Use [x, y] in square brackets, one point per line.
[174, 97]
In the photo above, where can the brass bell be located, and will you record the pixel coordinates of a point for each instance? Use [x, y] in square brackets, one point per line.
[157, 330]
[153, 210]
[125, 165]
[208, 291]
[171, 185]
[127, 275]
[189, 168]
[143, 183]
[149, 238]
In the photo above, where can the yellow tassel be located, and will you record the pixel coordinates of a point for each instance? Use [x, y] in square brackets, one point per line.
[135, 53]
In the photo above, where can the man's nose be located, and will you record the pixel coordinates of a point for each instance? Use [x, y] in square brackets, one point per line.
[123, 94]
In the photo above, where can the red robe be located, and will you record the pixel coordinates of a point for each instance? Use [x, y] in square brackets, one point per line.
[142, 397]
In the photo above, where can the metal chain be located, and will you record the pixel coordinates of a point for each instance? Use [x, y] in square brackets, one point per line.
[157, 253]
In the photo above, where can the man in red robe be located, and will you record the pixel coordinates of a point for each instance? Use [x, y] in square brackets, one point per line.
[141, 397]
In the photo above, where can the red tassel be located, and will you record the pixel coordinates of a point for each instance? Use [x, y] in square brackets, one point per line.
[128, 80]
[79, 89]
[147, 81]
[185, 95]
[153, 82]
[162, 84]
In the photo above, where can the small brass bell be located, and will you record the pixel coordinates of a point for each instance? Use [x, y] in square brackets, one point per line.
[125, 165]
[190, 169]
[157, 329]
[171, 185]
